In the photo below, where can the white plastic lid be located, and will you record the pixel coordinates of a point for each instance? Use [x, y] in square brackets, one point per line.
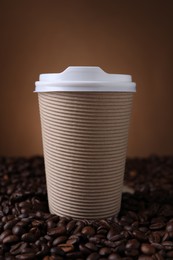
[85, 78]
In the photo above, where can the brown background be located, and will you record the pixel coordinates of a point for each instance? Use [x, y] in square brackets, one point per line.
[132, 37]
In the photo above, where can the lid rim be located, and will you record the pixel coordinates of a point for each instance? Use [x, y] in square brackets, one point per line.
[84, 78]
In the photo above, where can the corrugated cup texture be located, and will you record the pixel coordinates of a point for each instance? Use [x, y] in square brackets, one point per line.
[85, 140]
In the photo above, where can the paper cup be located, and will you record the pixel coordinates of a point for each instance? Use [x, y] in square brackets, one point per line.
[84, 137]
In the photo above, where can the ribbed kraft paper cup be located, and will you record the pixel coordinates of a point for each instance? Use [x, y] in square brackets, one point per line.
[85, 137]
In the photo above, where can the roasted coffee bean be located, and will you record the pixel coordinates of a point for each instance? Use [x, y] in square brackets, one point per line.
[89, 231]
[10, 224]
[102, 231]
[71, 225]
[74, 255]
[37, 223]
[168, 245]
[169, 226]
[104, 251]
[103, 223]
[56, 231]
[157, 226]
[18, 230]
[132, 244]
[81, 237]
[93, 256]
[66, 247]
[57, 251]
[114, 256]
[29, 237]
[144, 257]
[91, 246]
[79, 227]
[157, 256]
[112, 233]
[27, 256]
[4, 234]
[22, 223]
[51, 224]
[165, 237]
[84, 249]
[17, 248]
[48, 237]
[133, 252]
[10, 239]
[157, 246]
[59, 240]
[27, 250]
[154, 237]
[73, 241]
[43, 251]
[25, 204]
[147, 249]
[139, 235]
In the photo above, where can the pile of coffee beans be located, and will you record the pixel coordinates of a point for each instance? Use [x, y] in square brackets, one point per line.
[143, 229]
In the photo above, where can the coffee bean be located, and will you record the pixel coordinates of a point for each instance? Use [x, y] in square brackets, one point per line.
[43, 251]
[37, 223]
[27, 256]
[18, 230]
[147, 249]
[29, 237]
[84, 250]
[103, 223]
[66, 247]
[93, 256]
[10, 224]
[4, 234]
[169, 226]
[114, 256]
[73, 241]
[157, 256]
[17, 248]
[144, 257]
[74, 255]
[48, 237]
[59, 240]
[57, 251]
[133, 252]
[168, 245]
[132, 244]
[91, 246]
[27, 250]
[89, 231]
[157, 226]
[51, 224]
[79, 227]
[157, 246]
[47, 257]
[154, 237]
[22, 223]
[102, 231]
[139, 235]
[104, 251]
[112, 233]
[56, 231]
[10, 239]
[25, 204]
[71, 225]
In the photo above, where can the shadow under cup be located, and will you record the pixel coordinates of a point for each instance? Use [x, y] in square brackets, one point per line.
[85, 138]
